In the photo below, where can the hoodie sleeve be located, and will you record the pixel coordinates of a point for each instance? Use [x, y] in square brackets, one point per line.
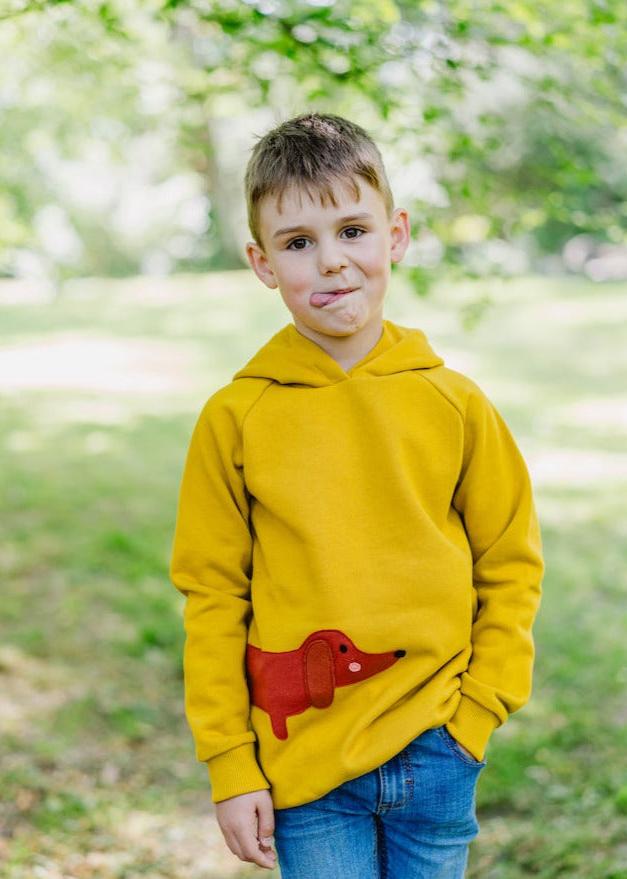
[494, 498]
[210, 565]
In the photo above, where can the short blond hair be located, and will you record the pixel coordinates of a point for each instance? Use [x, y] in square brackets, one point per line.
[312, 150]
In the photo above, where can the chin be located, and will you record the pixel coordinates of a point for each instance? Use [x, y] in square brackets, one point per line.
[341, 333]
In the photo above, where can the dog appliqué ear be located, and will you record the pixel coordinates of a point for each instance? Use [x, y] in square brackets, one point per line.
[319, 673]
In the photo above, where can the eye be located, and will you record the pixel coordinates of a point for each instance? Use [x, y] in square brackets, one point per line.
[294, 241]
[354, 229]
[343, 648]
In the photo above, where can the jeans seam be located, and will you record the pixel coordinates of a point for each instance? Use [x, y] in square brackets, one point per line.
[408, 779]
[407, 782]
[382, 854]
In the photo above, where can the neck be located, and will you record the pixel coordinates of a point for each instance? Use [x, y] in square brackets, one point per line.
[347, 350]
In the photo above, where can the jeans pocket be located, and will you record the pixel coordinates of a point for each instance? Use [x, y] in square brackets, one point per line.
[454, 746]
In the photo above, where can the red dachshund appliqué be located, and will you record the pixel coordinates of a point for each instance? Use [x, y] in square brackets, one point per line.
[289, 682]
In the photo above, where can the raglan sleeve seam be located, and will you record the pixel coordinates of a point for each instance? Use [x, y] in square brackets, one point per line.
[461, 414]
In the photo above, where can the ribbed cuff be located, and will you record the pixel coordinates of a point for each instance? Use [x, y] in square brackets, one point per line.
[472, 725]
[235, 772]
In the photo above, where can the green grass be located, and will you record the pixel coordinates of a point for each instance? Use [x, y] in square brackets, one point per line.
[98, 772]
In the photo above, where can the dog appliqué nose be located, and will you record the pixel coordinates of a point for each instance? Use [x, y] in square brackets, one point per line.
[291, 681]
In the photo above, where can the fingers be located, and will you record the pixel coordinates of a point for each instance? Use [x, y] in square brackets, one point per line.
[265, 847]
[249, 849]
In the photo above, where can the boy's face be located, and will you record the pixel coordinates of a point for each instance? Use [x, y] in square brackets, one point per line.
[331, 249]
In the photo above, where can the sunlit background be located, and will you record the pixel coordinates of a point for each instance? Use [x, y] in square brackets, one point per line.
[125, 301]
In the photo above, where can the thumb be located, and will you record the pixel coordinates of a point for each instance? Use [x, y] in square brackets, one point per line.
[265, 811]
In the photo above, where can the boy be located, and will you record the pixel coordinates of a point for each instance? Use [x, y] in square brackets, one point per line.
[358, 544]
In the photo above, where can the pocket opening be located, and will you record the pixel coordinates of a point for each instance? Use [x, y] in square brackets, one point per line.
[453, 745]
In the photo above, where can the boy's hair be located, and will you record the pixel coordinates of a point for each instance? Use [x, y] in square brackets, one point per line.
[317, 150]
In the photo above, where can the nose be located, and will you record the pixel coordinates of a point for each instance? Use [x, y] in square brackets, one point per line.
[399, 653]
[330, 257]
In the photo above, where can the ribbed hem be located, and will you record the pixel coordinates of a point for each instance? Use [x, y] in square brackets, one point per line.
[472, 725]
[235, 772]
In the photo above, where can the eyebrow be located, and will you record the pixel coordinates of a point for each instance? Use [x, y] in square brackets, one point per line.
[340, 222]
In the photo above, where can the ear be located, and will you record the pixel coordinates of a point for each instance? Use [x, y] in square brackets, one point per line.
[260, 265]
[399, 234]
[319, 673]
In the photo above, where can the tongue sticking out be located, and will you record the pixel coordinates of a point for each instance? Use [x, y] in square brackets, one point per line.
[320, 299]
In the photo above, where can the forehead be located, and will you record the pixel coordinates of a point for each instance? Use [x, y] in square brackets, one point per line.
[301, 202]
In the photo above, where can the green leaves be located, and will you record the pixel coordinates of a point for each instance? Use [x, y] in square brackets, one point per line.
[517, 107]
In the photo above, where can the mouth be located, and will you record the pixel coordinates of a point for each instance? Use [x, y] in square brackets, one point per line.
[319, 300]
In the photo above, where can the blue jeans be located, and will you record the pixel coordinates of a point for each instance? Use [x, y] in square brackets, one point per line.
[411, 818]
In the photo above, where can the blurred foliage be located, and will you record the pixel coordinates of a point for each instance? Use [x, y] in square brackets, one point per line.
[516, 111]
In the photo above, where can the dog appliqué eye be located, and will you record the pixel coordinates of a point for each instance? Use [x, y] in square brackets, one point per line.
[343, 648]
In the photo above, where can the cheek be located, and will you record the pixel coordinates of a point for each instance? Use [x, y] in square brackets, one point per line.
[294, 274]
[376, 260]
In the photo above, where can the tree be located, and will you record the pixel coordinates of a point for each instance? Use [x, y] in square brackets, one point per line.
[512, 113]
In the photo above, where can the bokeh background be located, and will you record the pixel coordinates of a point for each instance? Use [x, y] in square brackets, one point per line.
[125, 301]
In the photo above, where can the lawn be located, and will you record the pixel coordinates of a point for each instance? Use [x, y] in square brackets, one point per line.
[99, 392]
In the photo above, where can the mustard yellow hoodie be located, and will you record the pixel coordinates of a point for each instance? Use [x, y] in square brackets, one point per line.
[362, 561]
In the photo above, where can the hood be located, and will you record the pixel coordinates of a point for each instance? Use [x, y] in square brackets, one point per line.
[291, 358]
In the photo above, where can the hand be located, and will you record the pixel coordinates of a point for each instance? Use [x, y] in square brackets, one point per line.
[247, 823]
